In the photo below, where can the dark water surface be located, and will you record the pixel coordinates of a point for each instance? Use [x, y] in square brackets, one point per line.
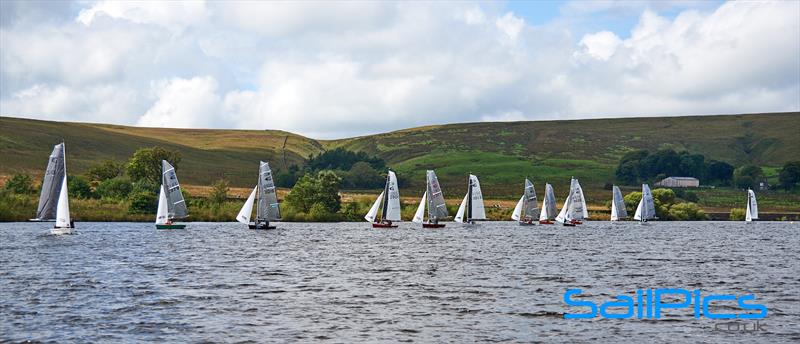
[127, 282]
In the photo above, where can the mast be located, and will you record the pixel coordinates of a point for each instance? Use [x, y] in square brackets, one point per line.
[385, 198]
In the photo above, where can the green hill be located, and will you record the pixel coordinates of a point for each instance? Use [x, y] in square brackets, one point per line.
[500, 153]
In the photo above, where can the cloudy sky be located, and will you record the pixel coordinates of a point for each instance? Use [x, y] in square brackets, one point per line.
[329, 70]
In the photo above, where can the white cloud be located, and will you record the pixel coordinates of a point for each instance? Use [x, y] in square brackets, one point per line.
[184, 103]
[329, 69]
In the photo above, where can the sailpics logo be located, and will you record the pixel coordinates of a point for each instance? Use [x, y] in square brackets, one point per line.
[650, 303]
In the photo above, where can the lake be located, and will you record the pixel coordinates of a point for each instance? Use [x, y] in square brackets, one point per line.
[127, 282]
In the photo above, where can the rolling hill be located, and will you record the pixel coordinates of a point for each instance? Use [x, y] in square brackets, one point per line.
[501, 153]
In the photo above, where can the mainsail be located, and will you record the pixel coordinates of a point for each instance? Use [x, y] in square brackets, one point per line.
[532, 206]
[268, 208]
[176, 206]
[52, 185]
[617, 205]
[646, 209]
[579, 210]
[476, 210]
[391, 206]
[549, 204]
[436, 207]
[752, 206]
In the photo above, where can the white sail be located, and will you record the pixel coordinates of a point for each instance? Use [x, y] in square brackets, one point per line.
[638, 215]
[545, 206]
[460, 213]
[752, 206]
[550, 197]
[161, 213]
[646, 209]
[436, 206]
[614, 214]
[374, 210]
[418, 216]
[247, 209]
[565, 211]
[518, 209]
[392, 211]
[62, 211]
[477, 212]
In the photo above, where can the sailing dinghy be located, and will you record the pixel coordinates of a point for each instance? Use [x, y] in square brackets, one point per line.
[752, 207]
[574, 209]
[54, 199]
[471, 208]
[618, 211]
[389, 204]
[267, 209]
[527, 210]
[646, 210]
[434, 199]
[171, 204]
[549, 212]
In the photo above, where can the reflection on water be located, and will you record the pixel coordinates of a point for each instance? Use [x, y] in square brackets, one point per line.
[312, 282]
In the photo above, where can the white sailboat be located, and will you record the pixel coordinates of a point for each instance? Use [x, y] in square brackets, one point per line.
[618, 210]
[268, 208]
[752, 207]
[435, 203]
[646, 210]
[471, 208]
[527, 210]
[54, 199]
[574, 209]
[548, 213]
[389, 204]
[171, 204]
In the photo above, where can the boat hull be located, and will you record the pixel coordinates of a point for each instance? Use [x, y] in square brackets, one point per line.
[172, 226]
[254, 226]
[433, 225]
[568, 224]
[383, 225]
[546, 222]
[61, 230]
[526, 223]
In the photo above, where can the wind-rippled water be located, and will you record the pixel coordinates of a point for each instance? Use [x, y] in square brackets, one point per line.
[127, 282]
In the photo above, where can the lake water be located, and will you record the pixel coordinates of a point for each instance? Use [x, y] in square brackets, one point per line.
[127, 282]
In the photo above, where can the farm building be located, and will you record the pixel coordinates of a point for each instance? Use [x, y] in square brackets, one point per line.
[679, 182]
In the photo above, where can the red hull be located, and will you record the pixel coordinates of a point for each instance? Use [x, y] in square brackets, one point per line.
[432, 225]
[383, 225]
[576, 222]
[546, 222]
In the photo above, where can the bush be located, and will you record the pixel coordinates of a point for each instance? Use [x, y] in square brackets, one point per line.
[737, 214]
[79, 187]
[219, 193]
[747, 176]
[143, 203]
[20, 184]
[145, 164]
[320, 213]
[686, 212]
[114, 188]
[322, 189]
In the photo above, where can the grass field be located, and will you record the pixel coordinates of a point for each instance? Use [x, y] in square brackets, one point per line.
[500, 153]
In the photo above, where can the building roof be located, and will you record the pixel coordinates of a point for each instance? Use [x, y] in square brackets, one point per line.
[682, 178]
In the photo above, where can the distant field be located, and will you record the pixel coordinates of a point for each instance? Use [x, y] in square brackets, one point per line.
[502, 154]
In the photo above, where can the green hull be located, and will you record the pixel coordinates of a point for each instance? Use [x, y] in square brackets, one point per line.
[170, 226]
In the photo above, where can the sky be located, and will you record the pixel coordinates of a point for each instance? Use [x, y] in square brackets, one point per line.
[339, 69]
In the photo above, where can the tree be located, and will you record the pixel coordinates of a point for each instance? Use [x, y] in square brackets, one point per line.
[78, 187]
[114, 188]
[322, 189]
[20, 184]
[362, 176]
[627, 173]
[789, 175]
[747, 176]
[145, 164]
[737, 214]
[143, 203]
[219, 192]
[105, 170]
[686, 212]
[342, 159]
[719, 172]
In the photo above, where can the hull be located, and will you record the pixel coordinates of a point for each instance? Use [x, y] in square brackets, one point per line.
[261, 226]
[383, 225]
[61, 230]
[433, 225]
[546, 222]
[576, 222]
[470, 224]
[527, 223]
[568, 224]
[173, 226]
